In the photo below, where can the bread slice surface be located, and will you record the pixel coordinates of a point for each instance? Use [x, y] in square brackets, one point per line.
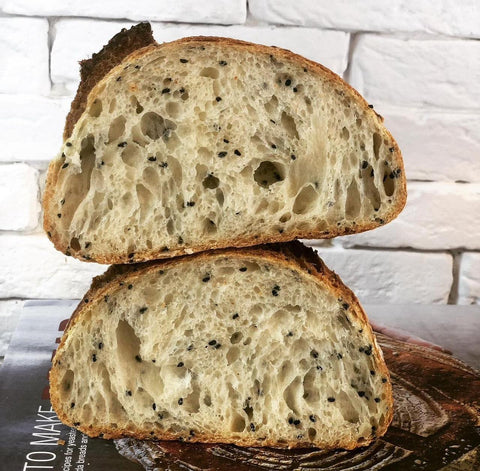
[261, 346]
[212, 142]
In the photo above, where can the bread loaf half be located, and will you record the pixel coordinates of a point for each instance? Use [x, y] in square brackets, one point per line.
[211, 142]
[260, 346]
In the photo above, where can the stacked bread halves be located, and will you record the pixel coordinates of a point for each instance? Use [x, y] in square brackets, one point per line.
[191, 166]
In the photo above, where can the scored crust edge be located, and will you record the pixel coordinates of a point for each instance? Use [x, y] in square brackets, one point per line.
[293, 255]
[137, 42]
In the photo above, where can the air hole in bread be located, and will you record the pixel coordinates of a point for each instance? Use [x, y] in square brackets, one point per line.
[268, 173]
[305, 200]
[67, 383]
[219, 196]
[135, 103]
[353, 201]
[210, 72]
[271, 106]
[289, 125]
[96, 108]
[388, 183]
[345, 133]
[377, 142]
[209, 226]
[237, 423]
[211, 182]
[75, 244]
[117, 128]
[131, 155]
[153, 125]
[113, 105]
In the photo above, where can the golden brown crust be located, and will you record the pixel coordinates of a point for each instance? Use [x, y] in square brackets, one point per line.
[293, 255]
[129, 39]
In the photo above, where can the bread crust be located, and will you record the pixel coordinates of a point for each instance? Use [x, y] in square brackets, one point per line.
[292, 255]
[121, 49]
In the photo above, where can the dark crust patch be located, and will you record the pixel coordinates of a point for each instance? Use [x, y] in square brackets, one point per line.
[94, 69]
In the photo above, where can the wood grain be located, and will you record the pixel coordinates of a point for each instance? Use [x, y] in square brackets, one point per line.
[436, 426]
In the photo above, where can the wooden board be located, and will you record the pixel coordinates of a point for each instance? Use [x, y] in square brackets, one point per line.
[436, 426]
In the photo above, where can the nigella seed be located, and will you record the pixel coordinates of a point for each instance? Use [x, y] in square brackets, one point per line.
[368, 350]
[94, 358]
[163, 164]
[374, 429]
[152, 159]
[237, 152]
[290, 420]
[243, 269]
[206, 278]
[100, 345]
[222, 154]
[190, 348]
[191, 433]
[138, 358]
[372, 372]
[296, 422]
[87, 244]
[137, 67]
[372, 173]
[72, 405]
[275, 290]
[191, 204]
[63, 155]
[180, 239]
[370, 106]
[68, 144]
[154, 406]
[391, 149]
[314, 354]
[122, 144]
[180, 401]
[218, 346]
[361, 393]
[119, 78]
[235, 316]
[339, 356]
[143, 310]
[222, 63]
[295, 90]
[377, 399]
[130, 286]
[183, 61]
[293, 157]
[288, 82]
[106, 298]
[131, 255]
[212, 342]
[218, 98]
[180, 364]
[384, 380]
[273, 146]
[345, 306]
[290, 333]
[364, 164]
[331, 399]
[59, 215]
[76, 424]
[252, 427]
[319, 368]
[129, 393]
[165, 90]
[65, 165]
[226, 141]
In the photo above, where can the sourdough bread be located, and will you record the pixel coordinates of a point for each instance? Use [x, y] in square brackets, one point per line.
[260, 346]
[212, 142]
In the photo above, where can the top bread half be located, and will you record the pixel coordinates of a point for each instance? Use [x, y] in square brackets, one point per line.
[207, 143]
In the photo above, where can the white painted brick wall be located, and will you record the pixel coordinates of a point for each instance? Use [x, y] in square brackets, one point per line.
[417, 72]
[24, 55]
[450, 17]
[386, 277]
[76, 39]
[31, 127]
[436, 145]
[469, 279]
[208, 11]
[19, 204]
[32, 268]
[437, 216]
